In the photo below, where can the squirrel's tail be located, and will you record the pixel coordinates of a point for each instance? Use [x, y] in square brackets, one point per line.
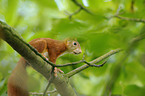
[17, 82]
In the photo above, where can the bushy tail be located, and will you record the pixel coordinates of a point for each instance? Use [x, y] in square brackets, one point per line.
[17, 83]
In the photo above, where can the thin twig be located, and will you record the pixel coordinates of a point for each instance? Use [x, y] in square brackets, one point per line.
[48, 92]
[94, 65]
[50, 80]
[82, 7]
[84, 56]
[132, 5]
[81, 61]
[77, 11]
[45, 92]
[73, 63]
[70, 15]
[130, 19]
[79, 69]
[69, 64]
[118, 13]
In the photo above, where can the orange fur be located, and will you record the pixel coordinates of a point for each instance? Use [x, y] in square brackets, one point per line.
[18, 79]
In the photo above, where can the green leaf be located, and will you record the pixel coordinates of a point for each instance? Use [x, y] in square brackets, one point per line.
[134, 90]
[11, 13]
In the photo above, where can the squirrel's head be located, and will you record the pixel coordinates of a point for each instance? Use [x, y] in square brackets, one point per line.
[73, 46]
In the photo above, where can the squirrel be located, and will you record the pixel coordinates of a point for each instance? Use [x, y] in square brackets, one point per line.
[51, 49]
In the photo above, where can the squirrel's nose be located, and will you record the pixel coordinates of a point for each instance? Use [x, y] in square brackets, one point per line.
[80, 51]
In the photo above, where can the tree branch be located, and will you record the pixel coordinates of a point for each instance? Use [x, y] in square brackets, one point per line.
[8, 28]
[17, 43]
[13, 33]
[39, 63]
[77, 70]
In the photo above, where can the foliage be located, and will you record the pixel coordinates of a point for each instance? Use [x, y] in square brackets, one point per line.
[97, 34]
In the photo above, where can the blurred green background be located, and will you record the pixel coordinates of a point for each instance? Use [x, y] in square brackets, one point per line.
[98, 34]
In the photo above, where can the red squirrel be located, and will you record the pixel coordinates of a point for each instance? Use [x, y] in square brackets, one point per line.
[50, 49]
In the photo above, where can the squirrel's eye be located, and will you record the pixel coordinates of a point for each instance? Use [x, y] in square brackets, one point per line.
[75, 43]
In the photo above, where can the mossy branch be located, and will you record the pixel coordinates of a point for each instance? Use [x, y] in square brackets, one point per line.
[39, 63]
[8, 34]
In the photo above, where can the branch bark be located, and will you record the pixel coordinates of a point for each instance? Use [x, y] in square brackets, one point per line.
[40, 64]
[17, 43]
